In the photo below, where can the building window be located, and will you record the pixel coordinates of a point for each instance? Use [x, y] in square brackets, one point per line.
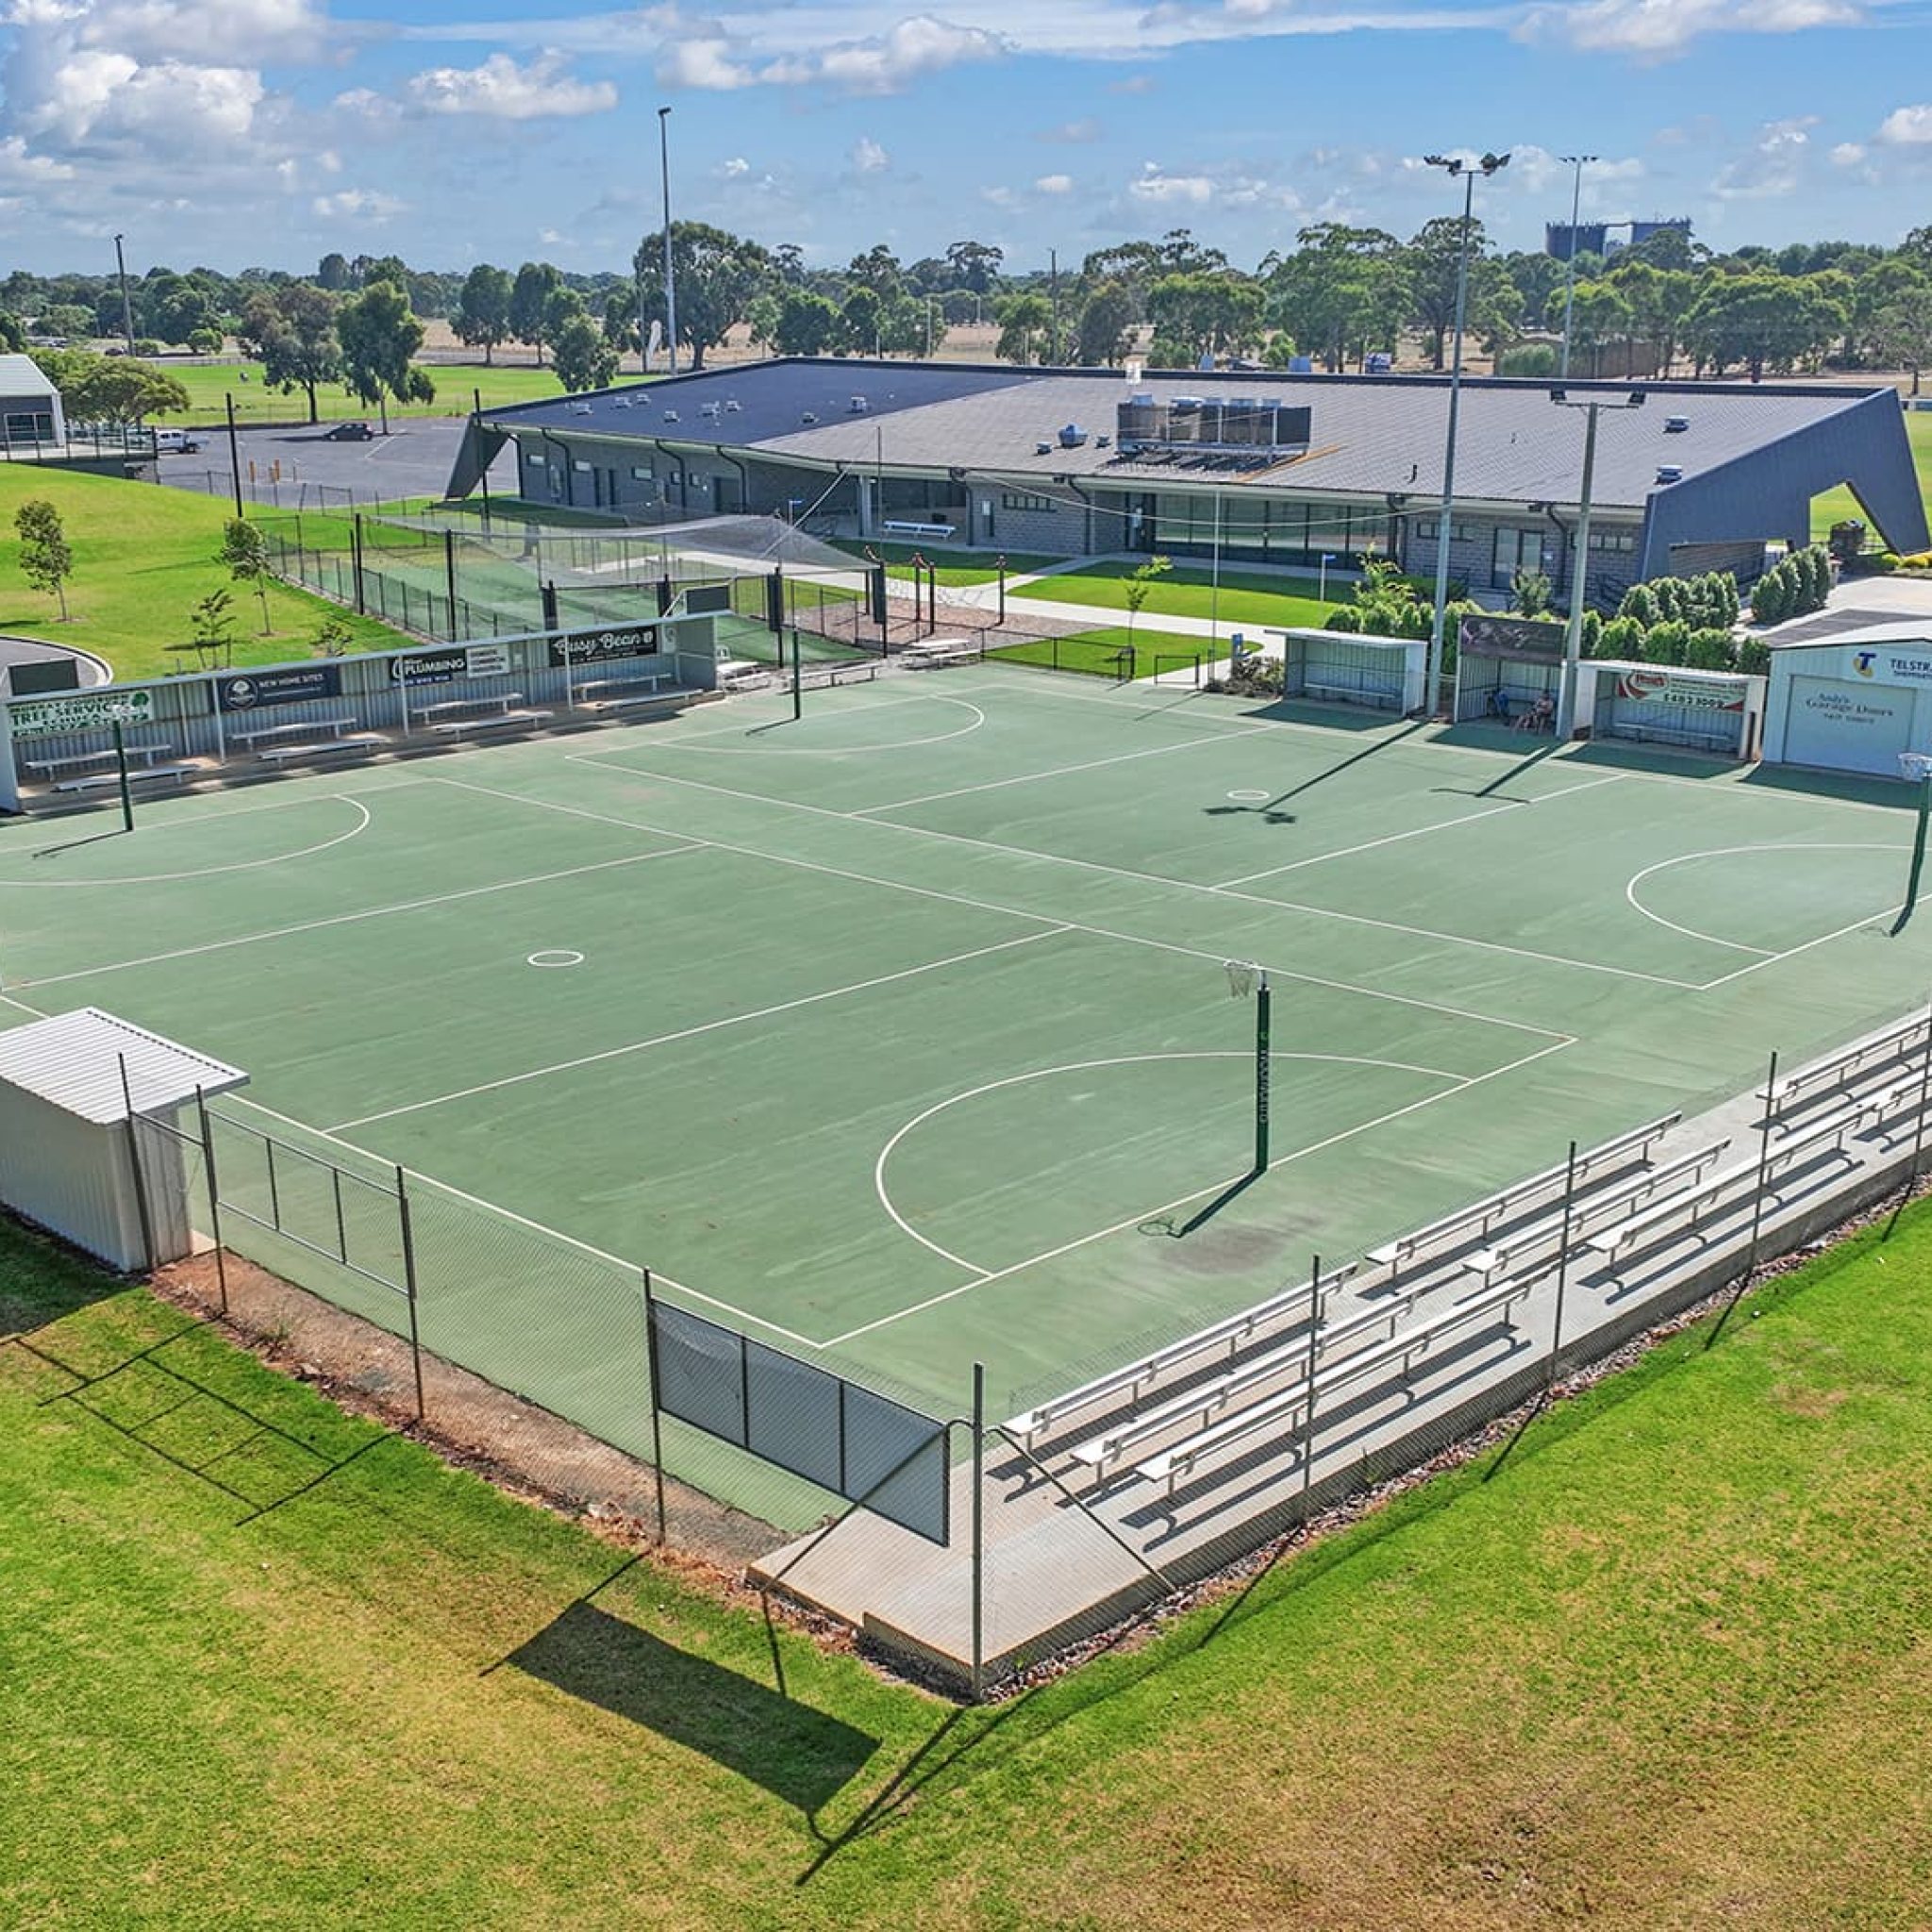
[641, 473]
[1426, 528]
[534, 458]
[1015, 499]
[583, 466]
[1613, 539]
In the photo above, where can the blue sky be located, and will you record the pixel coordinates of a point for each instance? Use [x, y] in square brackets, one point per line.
[237, 132]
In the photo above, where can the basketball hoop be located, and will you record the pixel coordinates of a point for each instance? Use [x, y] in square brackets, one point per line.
[1915, 767]
[1243, 976]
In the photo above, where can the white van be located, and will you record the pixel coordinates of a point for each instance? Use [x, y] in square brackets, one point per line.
[170, 442]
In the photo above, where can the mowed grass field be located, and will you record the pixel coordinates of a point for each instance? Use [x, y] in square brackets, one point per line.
[144, 556]
[1189, 590]
[209, 385]
[1668, 1661]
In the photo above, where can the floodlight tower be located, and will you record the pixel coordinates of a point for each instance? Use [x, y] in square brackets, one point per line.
[1578, 163]
[1456, 166]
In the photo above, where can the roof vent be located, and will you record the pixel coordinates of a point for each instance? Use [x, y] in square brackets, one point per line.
[620, 402]
[807, 419]
[857, 405]
[1043, 449]
[1675, 426]
[1102, 442]
[1670, 473]
[1073, 436]
[671, 415]
[580, 408]
[709, 411]
[732, 406]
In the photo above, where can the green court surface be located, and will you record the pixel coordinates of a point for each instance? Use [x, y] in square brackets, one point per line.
[899, 1035]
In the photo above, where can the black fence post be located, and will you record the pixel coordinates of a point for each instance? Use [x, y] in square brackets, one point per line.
[550, 618]
[657, 1408]
[142, 1209]
[1562, 1268]
[214, 1196]
[355, 561]
[409, 1233]
[449, 577]
[1314, 1355]
[978, 1530]
[1757, 1200]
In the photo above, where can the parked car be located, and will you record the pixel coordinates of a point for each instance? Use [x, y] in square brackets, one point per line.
[170, 442]
[348, 432]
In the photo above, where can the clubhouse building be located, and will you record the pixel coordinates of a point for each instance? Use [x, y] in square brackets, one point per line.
[1262, 468]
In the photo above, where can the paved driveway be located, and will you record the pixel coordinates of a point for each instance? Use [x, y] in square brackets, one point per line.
[412, 460]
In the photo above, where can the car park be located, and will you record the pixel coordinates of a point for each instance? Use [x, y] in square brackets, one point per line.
[348, 432]
[169, 442]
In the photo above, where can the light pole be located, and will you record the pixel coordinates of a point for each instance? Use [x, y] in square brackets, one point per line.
[1579, 565]
[670, 283]
[126, 307]
[1578, 162]
[1455, 165]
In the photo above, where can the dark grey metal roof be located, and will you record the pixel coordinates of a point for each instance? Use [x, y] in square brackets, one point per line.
[1370, 436]
[74, 1060]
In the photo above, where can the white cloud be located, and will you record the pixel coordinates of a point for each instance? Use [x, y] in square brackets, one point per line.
[1075, 133]
[502, 90]
[1907, 127]
[216, 31]
[1848, 154]
[1154, 184]
[867, 156]
[1054, 184]
[20, 168]
[1772, 165]
[1655, 29]
[734, 169]
[357, 205]
[705, 63]
[909, 50]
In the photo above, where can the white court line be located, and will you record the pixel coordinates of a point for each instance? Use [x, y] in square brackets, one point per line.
[205, 871]
[1102, 932]
[569, 1240]
[831, 751]
[1822, 940]
[1159, 751]
[1636, 878]
[1467, 817]
[1169, 1207]
[282, 932]
[592, 1059]
[1146, 878]
[1129, 1060]
[8, 1000]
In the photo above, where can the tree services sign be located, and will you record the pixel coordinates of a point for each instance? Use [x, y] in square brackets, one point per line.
[95, 711]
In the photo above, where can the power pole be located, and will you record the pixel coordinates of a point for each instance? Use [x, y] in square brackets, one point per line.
[126, 307]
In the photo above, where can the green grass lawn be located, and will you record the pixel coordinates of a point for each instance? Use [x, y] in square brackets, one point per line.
[1667, 1661]
[210, 384]
[1835, 506]
[1187, 591]
[952, 567]
[143, 557]
[1096, 653]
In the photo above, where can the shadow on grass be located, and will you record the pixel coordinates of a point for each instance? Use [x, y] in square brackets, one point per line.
[800, 1755]
[42, 1280]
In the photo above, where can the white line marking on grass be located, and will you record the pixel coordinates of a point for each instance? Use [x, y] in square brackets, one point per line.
[1102, 932]
[592, 1059]
[203, 871]
[1169, 1207]
[879, 1172]
[835, 750]
[282, 932]
[496, 1208]
[1764, 952]
[1149, 878]
[1159, 751]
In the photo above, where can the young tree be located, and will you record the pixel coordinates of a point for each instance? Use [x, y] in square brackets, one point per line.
[482, 317]
[379, 336]
[293, 332]
[212, 628]
[47, 558]
[1105, 325]
[1529, 593]
[245, 550]
[1140, 582]
[583, 356]
[335, 635]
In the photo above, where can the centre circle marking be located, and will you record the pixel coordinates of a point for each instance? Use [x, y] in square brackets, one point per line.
[1248, 796]
[203, 871]
[557, 957]
[847, 751]
[1630, 891]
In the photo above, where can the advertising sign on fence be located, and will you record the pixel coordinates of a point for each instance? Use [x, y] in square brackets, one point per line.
[95, 711]
[593, 646]
[1488, 635]
[446, 667]
[293, 684]
[1674, 687]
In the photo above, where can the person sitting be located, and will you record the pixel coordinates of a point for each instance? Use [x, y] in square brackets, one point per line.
[1499, 705]
[1541, 715]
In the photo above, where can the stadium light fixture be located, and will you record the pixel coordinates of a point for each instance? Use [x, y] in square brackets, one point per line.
[1456, 166]
[1579, 568]
[1578, 163]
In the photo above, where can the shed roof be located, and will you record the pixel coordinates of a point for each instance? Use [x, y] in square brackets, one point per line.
[1370, 436]
[73, 1061]
[21, 375]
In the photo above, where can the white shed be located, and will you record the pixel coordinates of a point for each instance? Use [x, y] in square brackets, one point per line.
[29, 407]
[1851, 702]
[91, 1142]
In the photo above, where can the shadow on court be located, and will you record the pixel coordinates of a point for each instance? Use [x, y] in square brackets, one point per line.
[76, 844]
[1270, 809]
[754, 1730]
